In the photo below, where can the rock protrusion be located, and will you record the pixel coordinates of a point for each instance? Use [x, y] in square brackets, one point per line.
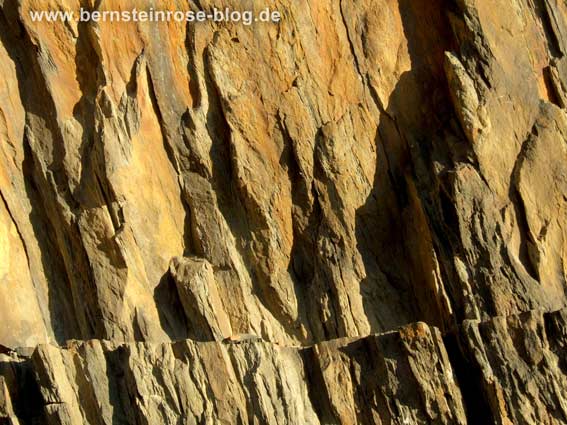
[204, 309]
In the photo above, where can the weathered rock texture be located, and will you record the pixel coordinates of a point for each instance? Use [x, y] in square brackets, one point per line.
[366, 202]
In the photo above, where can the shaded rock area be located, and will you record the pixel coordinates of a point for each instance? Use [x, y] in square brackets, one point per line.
[506, 370]
[356, 215]
[248, 382]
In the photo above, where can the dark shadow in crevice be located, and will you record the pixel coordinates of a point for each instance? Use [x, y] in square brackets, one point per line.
[469, 376]
[399, 287]
[170, 310]
[119, 399]
[316, 387]
[24, 391]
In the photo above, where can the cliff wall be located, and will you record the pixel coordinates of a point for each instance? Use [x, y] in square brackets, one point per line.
[366, 202]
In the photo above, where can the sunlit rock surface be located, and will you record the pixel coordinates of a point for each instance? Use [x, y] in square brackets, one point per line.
[356, 215]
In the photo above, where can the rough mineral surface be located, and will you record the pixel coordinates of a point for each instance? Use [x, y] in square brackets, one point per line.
[354, 216]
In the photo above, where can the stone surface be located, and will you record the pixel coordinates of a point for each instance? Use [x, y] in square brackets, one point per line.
[197, 289]
[366, 202]
[402, 377]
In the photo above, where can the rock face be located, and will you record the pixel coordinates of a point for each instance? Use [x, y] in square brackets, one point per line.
[247, 382]
[356, 215]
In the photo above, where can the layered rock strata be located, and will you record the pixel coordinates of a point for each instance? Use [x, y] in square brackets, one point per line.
[395, 168]
[505, 371]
